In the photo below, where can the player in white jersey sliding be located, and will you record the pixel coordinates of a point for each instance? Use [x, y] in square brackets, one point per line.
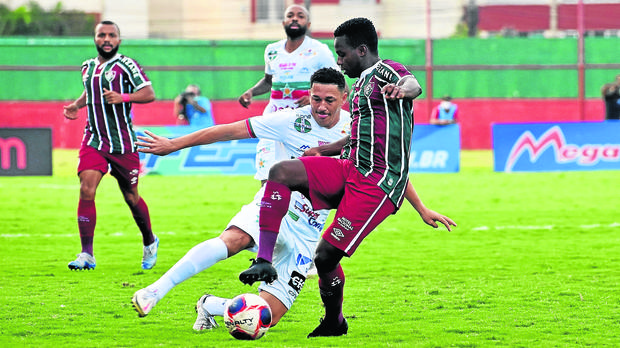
[289, 63]
[322, 122]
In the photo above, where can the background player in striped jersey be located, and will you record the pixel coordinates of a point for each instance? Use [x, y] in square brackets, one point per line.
[112, 82]
[289, 63]
[321, 122]
[367, 185]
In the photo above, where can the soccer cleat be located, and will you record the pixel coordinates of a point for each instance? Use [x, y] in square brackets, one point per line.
[204, 320]
[83, 261]
[260, 270]
[324, 329]
[144, 300]
[149, 257]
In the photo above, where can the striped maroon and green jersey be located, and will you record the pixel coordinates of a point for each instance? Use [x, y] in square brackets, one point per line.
[381, 130]
[109, 127]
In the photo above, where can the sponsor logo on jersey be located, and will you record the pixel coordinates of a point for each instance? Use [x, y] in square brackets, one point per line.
[337, 233]
[297, 281]
[311, 214]
[302, 125]
[386, 73]
[275, 195]
[302, 260]
[135, 71]
[345, 223]
[293, 216]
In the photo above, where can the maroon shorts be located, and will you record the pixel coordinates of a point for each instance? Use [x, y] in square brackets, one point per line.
[124, 167]
[360, 204]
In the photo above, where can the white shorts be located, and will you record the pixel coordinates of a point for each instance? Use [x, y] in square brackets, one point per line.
[292, 256]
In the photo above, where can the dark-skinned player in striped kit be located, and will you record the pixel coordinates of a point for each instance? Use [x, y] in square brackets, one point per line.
[366, 185]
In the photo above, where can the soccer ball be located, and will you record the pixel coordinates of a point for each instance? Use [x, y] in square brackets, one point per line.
[247, 317]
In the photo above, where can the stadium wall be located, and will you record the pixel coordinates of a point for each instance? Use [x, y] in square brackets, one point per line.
[476, 116]
[493, 80]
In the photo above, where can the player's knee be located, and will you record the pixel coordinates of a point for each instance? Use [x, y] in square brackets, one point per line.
[326, 260]
[278, 173]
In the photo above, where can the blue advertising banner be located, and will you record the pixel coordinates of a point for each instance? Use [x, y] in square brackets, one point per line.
[436, 149]
[527, 147]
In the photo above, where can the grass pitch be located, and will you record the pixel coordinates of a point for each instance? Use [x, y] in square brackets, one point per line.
[534, 262]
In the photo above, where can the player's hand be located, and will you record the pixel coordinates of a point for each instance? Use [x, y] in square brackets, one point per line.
[431, 217]
[155, 144]
[392, 91]
[245, 99]
[313, 151]
[303, 101]
[70, 111]
[112, 97]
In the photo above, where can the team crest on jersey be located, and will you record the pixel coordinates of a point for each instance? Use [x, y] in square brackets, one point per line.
[110, 75]
[271, 55]
[368, 89]
[302, 125]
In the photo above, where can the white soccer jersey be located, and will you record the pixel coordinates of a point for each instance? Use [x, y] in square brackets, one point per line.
[292, 71]
[291, 74]
[301, 227]
[297, 130]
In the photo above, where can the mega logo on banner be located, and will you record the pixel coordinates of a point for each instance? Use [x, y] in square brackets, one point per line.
[25, 151]
[531, 147]
[435, 149]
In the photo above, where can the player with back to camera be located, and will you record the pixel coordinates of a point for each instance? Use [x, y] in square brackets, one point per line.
[112, 83]
[366, 185]
[321, 122]
[289, 63]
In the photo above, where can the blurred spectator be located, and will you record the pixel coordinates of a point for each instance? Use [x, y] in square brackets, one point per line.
[611, 96]
[445, 113]
[192, 108]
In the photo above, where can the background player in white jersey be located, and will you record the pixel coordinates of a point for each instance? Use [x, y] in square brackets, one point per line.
[320, 123]
[289, 63]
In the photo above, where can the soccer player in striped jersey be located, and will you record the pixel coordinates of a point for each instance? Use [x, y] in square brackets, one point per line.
[366, 185]
[112, 83]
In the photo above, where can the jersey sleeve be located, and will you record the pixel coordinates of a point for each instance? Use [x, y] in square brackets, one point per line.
[136, 75]
[273, 126]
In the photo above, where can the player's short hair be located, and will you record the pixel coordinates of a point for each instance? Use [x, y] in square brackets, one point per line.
[110, 23]
[329, 76]
[359, 31]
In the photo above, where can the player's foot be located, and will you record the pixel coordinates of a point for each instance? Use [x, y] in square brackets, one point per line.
[204, 321]
[328, 329]
[83, 261]
[260, 270]
[312, 271]
[149, 257]
[144, 300]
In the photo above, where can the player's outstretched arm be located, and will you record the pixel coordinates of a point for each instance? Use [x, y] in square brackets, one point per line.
[430, 217]
[162, 146]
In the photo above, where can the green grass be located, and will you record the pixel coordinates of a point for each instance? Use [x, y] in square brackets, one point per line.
[534, 262]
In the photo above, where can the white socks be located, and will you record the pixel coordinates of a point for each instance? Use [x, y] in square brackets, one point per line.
[215, 305]
[199, 258]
